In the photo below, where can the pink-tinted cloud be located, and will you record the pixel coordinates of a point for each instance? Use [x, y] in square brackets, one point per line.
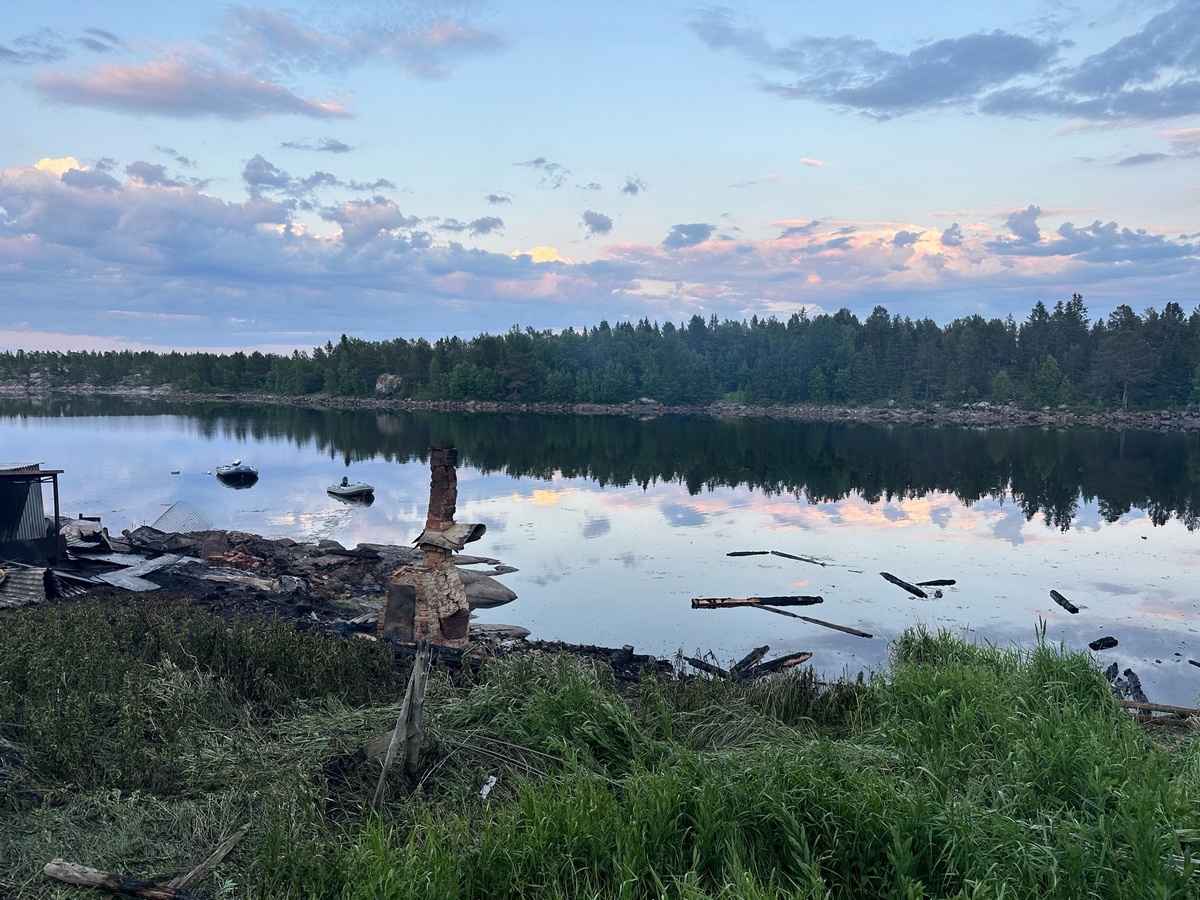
[144, 249]
[181, 87]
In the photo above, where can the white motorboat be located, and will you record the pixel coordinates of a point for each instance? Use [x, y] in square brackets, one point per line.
[237, 475]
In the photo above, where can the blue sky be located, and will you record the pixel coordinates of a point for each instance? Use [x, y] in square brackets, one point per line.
[271, 176]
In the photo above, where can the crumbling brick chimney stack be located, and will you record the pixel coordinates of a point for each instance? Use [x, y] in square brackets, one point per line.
[427, 602]
[443, 497]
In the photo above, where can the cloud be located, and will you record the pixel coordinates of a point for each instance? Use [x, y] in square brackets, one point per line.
[99, 41]
[952, 236]
[133, 254]
[499, 199]
[1104, 244]
[1141, 159]
[325, 145]
[554, 175]
[796, 230]
[39, 47]
[484, 225]
[181, 88]
[1149, 74]
[176, 155]
[858, 74]
[421, 43]
[151, 173]
[596, 223]
[687, 235]
[243, 70]
[261, 174]
[89, 179]
[1023, 224]
[137, 249]
[1184, 141]
[633, 186]
[812, 163]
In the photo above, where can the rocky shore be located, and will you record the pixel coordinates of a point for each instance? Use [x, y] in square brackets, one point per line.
[970, 415]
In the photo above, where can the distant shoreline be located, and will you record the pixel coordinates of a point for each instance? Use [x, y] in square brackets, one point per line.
[976, 415]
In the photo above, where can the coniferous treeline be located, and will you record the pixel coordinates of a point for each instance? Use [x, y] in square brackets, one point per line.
[1058, 356]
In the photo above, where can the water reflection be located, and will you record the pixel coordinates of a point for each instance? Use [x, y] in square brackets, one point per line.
[1048, 475]
[615, 525]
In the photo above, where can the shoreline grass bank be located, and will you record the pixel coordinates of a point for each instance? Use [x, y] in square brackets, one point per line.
[139, 737]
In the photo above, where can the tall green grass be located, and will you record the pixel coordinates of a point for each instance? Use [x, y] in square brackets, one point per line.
[960, 771]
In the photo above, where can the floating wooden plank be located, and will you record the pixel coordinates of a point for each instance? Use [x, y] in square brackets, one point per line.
[778, 665]
[719, 602]
[937, 582]
[73, 873]
[748, 553]
[1064, 602]
[911, 588]
[706, 667]
[750, 659]
[1159, 707]
[843, 628]
[807, 559]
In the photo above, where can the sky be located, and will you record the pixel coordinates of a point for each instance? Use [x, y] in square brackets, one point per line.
[220, 177]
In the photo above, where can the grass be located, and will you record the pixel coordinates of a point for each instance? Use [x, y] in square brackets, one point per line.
[960, 771]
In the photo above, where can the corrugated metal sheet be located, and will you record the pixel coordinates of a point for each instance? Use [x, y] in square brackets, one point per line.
[22, 517]
[21, 586]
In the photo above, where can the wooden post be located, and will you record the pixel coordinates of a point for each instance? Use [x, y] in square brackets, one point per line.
[416, 682]
[415, 732]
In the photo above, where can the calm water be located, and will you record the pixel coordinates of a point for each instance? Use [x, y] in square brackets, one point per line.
[616, 524]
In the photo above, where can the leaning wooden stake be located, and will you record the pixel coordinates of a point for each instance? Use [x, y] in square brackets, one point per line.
[183, 882]
[402, 721]
[843, 628]
[73, 873]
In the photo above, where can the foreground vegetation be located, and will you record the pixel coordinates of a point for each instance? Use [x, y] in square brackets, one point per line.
[149, 734]
[1056, 356]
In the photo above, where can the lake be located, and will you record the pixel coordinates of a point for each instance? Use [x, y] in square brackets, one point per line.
[615, 523]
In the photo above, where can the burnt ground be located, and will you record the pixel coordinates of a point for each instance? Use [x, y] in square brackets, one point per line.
[324, 587]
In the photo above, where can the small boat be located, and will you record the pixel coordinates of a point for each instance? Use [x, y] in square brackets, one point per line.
[237, 475]
[352, 490]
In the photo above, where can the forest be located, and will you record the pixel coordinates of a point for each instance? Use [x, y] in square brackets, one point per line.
[1056, 356]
